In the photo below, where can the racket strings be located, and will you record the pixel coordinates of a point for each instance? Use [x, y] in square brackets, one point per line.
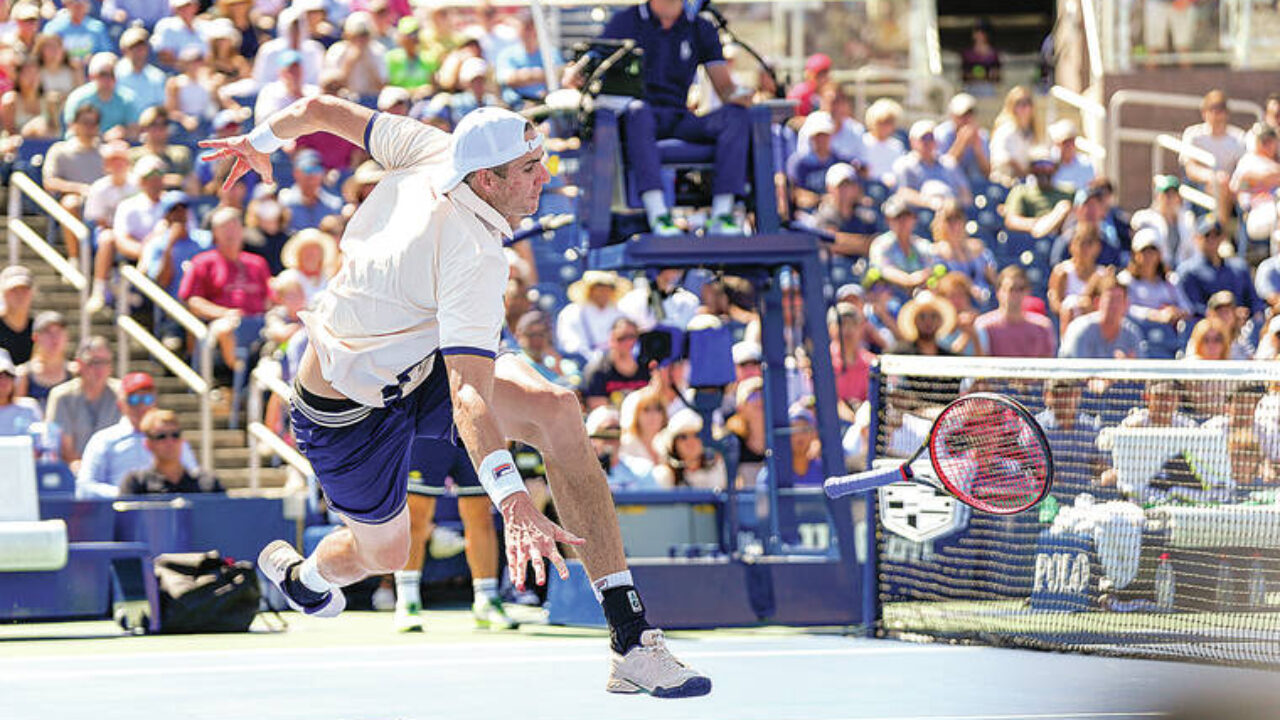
[987, 451]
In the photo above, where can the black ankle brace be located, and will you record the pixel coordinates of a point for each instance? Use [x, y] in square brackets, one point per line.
[625, 615]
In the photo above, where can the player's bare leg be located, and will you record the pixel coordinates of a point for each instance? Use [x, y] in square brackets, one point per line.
[535, 411]
[482, 557]
[314, 585]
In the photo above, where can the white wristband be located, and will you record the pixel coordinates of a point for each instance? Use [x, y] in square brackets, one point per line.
[264, 140]
[499, 476]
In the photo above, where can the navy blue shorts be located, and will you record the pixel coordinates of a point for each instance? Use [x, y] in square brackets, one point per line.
[361, 454]
[439, 467]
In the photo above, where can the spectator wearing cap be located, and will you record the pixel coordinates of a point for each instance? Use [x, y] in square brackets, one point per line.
[307, 201]
[660, 301]
[86, 404]
[1170, 218]
[1075, 170]
[902, 258]
[625, 472]
[115, 451]
[1152, 297]
[314, 254]
[47, 367]
[17, 413]
[1219, 138]
[153, 126]
[808, 170]
[227, 63]
[289, 85]
[1106, 332]
[519, 69]
[170, 248]
[292, 34]
[817, 74]
[17, 286]
[1037, 206]
[1095, 205]
[172, 467]
[684, 460]
[24, 30]
[1012, 331]
[960, 138]
[473, 84]
[359, 60]
[1255, 181]
[846, 141]
[82, 34]
[1209, 271]
[177, 33]
[71, 166]
[107, 192]
[135, 73]
[1267, 282]
[227, 285]
[1225, 310]
[883, 148]
[408, 65]
[845, 212]
[584, 325]
[923, 177]
[1016, 132]
[608, 378]
[209, 176]
[394, 100]
[115, 104]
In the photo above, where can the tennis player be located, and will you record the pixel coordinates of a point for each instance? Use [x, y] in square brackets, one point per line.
[403, 343]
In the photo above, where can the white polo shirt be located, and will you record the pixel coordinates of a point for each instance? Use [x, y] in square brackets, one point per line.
[421, 272]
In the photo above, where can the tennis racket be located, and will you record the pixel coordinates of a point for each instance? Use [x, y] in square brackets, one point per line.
[986, 450]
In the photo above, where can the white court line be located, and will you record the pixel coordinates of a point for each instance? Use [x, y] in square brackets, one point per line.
[1019, 716]
[411, 652]
[310, 665]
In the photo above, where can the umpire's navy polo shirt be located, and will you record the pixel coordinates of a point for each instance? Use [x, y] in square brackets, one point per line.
[671, 57]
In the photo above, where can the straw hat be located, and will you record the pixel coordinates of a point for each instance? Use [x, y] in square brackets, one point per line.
[579, 291]
[925, 301]
[289, 253]
[681, 422]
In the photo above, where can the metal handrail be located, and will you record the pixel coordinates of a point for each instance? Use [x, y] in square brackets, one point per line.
[1092, 41]
[260, 380]
[19, 230]
[202, 383]
[1116, 134]
[1200, 155]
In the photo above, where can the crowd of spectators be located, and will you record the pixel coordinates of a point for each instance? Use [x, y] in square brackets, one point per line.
[118, 94]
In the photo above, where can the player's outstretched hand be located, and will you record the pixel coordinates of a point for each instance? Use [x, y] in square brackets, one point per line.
[246, 158]
[531, 537]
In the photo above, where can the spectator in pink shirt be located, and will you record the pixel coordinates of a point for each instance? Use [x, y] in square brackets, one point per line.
[226, 285]
[1010, 330]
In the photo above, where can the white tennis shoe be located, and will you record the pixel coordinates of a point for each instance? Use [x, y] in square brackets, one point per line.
[275, 560]
[651, 668]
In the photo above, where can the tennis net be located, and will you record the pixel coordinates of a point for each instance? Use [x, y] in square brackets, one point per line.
[1160, 537]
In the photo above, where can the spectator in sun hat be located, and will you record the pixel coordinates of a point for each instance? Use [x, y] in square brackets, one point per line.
[473, 83]
[817, 73]
[120, 449]
[314, 254]
[583, 326]
[923, 165]
[923, 322]
[685, 461]
[394, 100]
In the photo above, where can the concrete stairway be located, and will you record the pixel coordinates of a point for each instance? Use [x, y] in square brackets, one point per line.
[230, 447]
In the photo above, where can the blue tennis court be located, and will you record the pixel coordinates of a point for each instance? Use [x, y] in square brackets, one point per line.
[357, 667]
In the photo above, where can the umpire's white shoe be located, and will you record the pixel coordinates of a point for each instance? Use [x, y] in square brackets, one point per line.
[276, 559]
[651, 668]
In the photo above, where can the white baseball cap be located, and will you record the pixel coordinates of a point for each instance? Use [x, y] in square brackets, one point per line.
[487, 137]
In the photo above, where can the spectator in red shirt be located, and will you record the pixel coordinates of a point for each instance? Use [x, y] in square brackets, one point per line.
[850, 360]
[227, 285]
[1011, 330]
[817, 73]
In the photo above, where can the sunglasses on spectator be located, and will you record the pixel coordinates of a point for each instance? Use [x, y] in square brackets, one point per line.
[627, 338]
[1214, 339]
[96, 362]
[141, 399]
[171, 435]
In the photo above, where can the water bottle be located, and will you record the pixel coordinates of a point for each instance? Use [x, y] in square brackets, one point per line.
[46, 439]
[1164, 584]
[1257, 584]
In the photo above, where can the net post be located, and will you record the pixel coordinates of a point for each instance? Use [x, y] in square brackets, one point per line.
[870, 575]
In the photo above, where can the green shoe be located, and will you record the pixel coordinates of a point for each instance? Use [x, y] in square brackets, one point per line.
[664, 226]
[724, 225]
[490, 614]
[408, 619]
